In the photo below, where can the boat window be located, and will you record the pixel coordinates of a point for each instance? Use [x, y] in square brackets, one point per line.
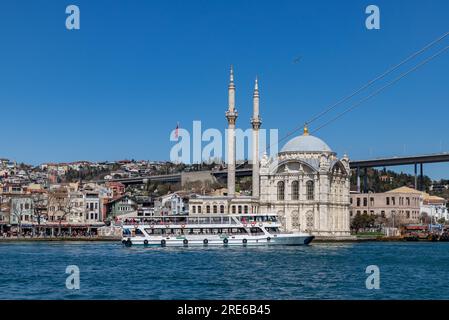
[216, 220]
[236, 231]
[256, 231]
[272, 230]
[155, 231]
[203, 220]
[139, 233]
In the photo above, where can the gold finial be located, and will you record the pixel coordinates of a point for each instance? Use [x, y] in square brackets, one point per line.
[306, 130]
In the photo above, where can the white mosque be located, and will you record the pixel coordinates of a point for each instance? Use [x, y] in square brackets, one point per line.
[305, 183]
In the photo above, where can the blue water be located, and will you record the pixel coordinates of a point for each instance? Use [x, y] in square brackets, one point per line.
[319, 271]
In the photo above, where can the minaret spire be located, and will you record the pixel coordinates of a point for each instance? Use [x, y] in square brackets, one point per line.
[231, 116]
[256, 123]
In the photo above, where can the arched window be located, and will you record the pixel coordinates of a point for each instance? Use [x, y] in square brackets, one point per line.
[207, 209]
[215, 209]
[310, 190]
[199, 209]
[281, 188]
[222, 209]
[295, 190]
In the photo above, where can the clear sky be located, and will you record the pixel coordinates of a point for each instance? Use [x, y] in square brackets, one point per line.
[116, 88]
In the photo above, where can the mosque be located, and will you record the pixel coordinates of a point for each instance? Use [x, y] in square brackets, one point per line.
[305, 183]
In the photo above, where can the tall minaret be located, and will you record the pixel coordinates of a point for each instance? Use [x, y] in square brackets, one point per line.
[231, 115]
[256, 122]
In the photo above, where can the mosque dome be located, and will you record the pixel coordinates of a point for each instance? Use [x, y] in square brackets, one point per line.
[306, 143]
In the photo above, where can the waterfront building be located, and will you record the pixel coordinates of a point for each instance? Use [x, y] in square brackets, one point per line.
[21, 213]
[171, 204]
[401, 204]
[305, 183]
[121, 206]
[434, 207]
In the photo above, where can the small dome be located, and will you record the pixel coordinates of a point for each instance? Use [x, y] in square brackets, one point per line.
[306, 143]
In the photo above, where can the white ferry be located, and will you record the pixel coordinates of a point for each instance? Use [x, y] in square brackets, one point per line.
[213, 230]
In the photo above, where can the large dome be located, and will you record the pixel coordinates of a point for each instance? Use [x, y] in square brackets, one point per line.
[306, 143]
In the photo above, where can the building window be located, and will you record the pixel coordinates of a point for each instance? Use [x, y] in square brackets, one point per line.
[281, 189]
[207, 209]
[388, 201]
[365, 202]
[371, 202]
[239, 209]
[233, 209]
[358, 202]
[215, 209]
[222, 209]
[310, 190]
[295, 220]
[193, 209]
[295, 190]
[199, 209]
[245, 208]
[309, 220]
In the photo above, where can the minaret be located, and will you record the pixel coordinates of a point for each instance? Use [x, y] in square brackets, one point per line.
[256, 122]
[231, 116]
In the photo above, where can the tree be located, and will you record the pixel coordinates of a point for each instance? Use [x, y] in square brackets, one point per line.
[39, 209]
[62, 203]
[17, 211]
[362, 221]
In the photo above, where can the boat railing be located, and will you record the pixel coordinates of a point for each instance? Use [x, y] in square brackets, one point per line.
[181, 221]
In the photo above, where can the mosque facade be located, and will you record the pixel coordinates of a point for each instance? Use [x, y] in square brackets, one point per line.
[306, 184]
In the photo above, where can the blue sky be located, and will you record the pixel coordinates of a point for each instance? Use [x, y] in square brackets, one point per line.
[116, 88]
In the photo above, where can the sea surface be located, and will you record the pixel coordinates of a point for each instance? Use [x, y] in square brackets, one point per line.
[408, 270]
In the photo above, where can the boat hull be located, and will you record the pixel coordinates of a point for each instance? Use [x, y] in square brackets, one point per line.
[195, 241]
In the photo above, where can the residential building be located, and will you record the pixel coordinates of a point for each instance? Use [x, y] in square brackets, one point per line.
[435, 207]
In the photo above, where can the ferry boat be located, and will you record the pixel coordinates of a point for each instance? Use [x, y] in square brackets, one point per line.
[210, 230]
